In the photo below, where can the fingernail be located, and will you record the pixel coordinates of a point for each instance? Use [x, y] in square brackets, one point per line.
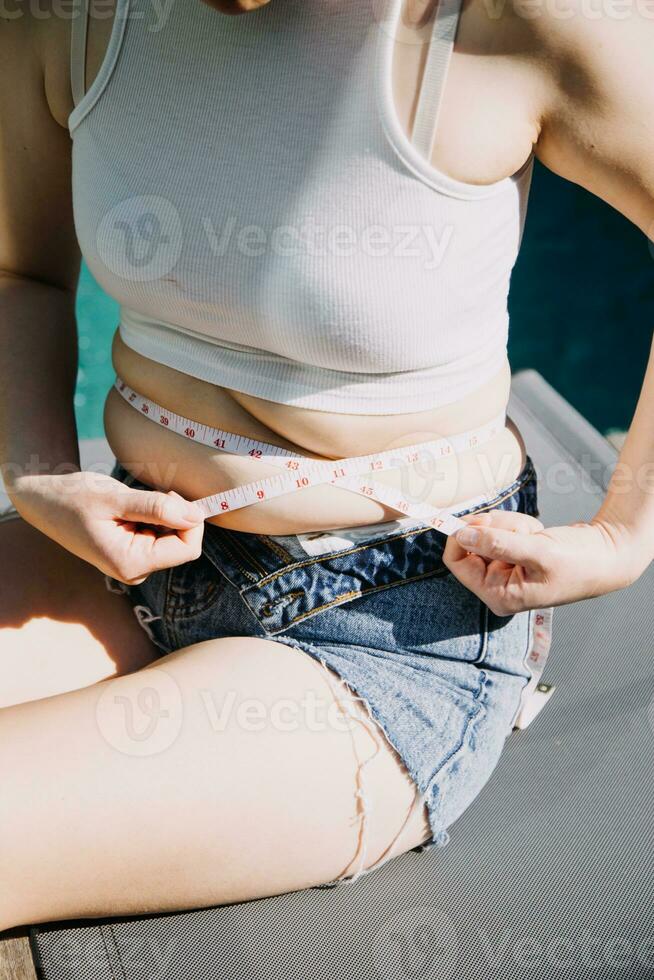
[467, 536]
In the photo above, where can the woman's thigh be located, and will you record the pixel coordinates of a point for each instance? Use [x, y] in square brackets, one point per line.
[220, 773]
[60, 627]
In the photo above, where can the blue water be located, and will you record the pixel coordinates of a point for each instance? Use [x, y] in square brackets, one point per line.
[581, 303]
[97, 316]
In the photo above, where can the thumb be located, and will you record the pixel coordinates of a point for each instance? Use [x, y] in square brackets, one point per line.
[166, 509]
[513, 547]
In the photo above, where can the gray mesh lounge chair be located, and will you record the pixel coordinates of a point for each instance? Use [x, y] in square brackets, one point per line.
[550, 873]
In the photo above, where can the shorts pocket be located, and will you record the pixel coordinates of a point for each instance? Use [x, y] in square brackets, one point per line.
[194, 591]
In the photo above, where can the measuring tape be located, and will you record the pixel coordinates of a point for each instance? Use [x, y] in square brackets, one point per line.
[352, 473]
[302, 472]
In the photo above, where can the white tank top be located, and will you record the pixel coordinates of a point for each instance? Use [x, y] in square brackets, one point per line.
[242, 187]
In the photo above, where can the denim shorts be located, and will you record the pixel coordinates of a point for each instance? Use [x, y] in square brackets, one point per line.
[438, 671]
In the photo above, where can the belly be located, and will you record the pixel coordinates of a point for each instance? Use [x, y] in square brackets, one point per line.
[167, 461]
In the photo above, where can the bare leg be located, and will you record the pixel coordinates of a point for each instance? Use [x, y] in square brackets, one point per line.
[60, 629]
[201, 779]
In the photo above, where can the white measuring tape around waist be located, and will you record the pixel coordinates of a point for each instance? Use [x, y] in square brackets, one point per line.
[300, 472]
[353, 473]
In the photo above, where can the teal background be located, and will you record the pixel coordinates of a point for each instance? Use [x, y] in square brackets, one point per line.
[581, 304]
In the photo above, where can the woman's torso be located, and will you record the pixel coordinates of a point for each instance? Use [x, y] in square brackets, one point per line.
[479, 142]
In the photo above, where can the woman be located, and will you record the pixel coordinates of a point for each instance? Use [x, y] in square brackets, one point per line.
[299, 263]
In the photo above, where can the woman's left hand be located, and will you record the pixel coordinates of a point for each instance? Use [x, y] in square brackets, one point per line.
[515, 563]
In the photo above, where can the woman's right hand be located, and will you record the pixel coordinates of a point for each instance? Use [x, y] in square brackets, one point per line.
[126, 533]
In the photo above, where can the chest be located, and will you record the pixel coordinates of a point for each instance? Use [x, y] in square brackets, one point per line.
[486, 126]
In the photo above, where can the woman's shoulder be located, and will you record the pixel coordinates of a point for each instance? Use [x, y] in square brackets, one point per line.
[577, 62]
[35, 46]
[598, 99]
[581, 48]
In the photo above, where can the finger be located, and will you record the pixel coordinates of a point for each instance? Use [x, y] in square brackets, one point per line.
[498, 574]
[176, 549]
[471, 572]
[166, 509]
[501, 586]
[494, 543]
[193, 536]
[150, 553]
[510, 520]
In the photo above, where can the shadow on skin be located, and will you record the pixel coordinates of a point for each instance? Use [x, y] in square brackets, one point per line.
[60, 628]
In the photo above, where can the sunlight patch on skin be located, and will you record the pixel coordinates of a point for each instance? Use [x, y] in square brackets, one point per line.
[45, 656]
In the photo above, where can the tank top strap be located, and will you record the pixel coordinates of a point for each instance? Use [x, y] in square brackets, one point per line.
[444, 28]
[78, 38]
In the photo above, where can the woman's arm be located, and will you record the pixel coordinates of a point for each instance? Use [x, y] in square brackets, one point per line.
[39, 263]
[628, 508]
[93, 516]
[597, 131]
